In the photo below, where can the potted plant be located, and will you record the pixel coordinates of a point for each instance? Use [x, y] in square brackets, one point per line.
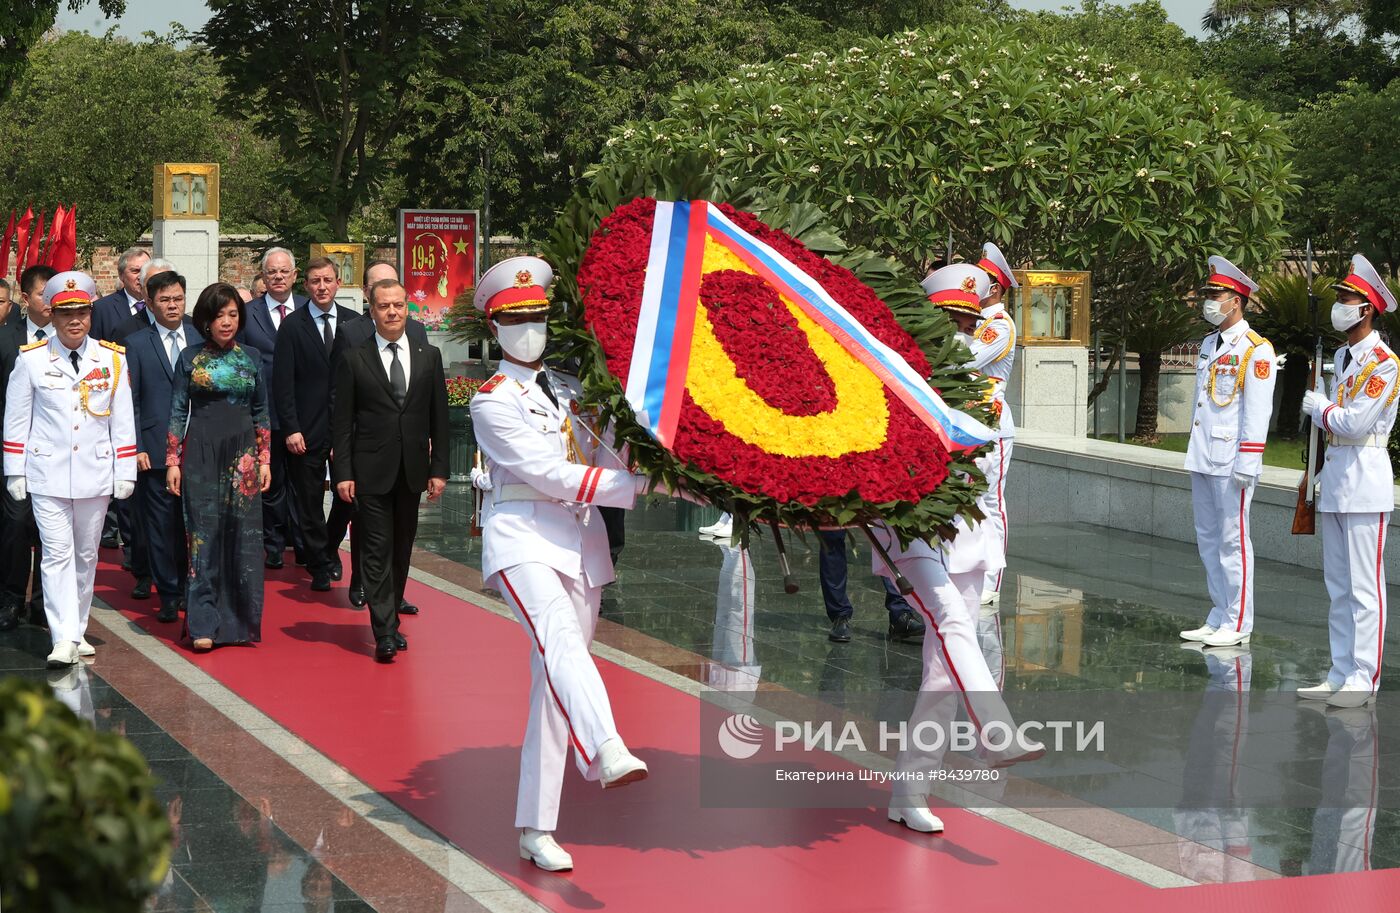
[460, 391]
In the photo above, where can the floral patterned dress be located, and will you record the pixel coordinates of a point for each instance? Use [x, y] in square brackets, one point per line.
[219, 434]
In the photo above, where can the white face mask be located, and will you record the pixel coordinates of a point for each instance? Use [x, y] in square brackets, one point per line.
[1214, 312]
[1345, 316]
[523, 341]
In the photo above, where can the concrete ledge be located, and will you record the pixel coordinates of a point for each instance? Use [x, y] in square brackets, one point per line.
[1145, 490]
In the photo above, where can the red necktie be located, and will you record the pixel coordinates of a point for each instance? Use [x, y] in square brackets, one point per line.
[281, 313]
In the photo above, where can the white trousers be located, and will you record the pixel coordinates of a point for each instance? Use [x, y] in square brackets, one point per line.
[69, 530]
[1344, 825]
[993, 503]
[1222, 537]
[1353, 564]
[568, 703]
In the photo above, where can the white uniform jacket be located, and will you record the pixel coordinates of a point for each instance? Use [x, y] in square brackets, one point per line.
[1234, 401]
[1356, 475]
[541, 507]
[71, 435]
[993, 355]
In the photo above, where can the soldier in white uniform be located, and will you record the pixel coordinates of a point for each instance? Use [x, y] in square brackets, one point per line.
[70, 443]
[1234, 400]
[993, 355]
[545, 549]
[1357, 493]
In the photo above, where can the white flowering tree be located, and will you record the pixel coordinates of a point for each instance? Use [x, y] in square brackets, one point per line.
[1055, 153]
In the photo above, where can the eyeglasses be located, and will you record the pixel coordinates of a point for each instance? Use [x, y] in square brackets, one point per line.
[278, 273]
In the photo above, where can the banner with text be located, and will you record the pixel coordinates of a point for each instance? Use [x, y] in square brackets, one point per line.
[437, 259]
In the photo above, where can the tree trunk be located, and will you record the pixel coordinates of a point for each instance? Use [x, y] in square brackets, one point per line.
[1293, 380]
[1105, 377]
[1149, 379]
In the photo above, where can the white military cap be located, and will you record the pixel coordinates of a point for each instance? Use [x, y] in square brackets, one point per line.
[960, 287]
[1364, 280]
[71, 289]
[996, 266]
[519, 284]
[1226, 275]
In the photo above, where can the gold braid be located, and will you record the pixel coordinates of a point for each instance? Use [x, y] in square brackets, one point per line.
[83, 391]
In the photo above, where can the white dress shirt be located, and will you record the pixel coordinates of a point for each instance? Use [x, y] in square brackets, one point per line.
[131, 302]
[273, 304]
[164, 335]
[318, 317]
[387, 358]
[33, 328]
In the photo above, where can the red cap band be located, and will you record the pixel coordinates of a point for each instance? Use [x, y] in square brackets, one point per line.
[1362, 287]
[1227, 282]
[995, 272]
[515, 298]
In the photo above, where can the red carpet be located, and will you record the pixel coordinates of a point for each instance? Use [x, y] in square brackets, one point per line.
[439, 730]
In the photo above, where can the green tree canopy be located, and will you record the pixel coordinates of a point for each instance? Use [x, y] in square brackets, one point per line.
[94, 115]
[22, 24]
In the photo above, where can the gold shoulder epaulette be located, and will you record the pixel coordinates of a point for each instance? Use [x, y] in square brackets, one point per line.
[491, 384]
[1256, 338]
[33, 345]
[107, 343]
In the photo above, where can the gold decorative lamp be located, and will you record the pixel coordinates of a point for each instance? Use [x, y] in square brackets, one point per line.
[349, 260]
[1049, 386]
[186, 190]
[1051, 308]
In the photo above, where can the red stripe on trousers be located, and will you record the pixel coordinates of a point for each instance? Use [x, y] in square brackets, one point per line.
[1244, 565]
[943, 645]
[1380, 597]
[573, 737]
[1001, 504]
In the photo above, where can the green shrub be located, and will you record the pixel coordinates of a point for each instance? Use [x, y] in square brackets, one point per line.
[80, 827]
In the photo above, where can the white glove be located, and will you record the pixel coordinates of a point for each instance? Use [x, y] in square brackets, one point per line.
[642, 483]
[1314, 403]
[481, 479]
[17, 488]
[122, 490]
[1243, 480]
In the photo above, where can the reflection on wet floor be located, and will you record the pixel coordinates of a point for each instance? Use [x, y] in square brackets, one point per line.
[1085, 611]
[229, 855]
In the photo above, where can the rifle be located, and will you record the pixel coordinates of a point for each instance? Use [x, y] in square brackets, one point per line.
[478, 498]
[1305, 513]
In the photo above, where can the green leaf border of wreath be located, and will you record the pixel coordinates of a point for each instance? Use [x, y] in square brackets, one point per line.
[695, 177]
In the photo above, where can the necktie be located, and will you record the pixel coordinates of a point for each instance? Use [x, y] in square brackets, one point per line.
[398, 382]
[542, 381]
[73, 357]
[39, 334]
[1346, 359]
[281, 314]
[138, 308]
[172, 347]
[326, 331]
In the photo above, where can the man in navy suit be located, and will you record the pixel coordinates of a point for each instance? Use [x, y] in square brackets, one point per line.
[301, 387]
[265, 315]
[111, 311]
[151, 352]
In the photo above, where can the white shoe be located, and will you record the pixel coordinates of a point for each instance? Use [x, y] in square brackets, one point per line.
[917, 818]
[1198, 634]
[1320, 692]
[85, 648]
[541, 848]
[1224, 637]
[720, 530]
[64, 654]
[1223, 654]
[617, 766]
[1351, 697]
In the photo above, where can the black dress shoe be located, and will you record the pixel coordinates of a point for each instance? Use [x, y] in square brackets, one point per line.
[142, 590]
[273, 561]
[320, 582]
[385, 649]
[906, 626]
[168, 612]
[399, 642]
[357, 596]
[840, 631]
[407, 608]
[334, 569]
[109, 541]
[9, 618]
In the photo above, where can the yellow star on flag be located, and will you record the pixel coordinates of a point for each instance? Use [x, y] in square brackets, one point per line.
[459, 246]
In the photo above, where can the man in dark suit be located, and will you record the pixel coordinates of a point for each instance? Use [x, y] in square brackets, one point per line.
[301, 387]
[390, 431]
[111, 311]
[151, 352]
[19, 544]
[354, 333]
[265, 315]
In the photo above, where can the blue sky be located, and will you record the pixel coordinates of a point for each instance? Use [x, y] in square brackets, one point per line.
[156, 15]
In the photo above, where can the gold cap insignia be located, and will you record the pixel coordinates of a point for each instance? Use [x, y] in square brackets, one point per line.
[524, 279]
[71, 283]
[969, 284]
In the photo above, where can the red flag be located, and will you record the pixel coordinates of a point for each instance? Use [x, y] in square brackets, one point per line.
[21, 239]
[65, 251]
[32, 257]
[5, 246]
[55, 232]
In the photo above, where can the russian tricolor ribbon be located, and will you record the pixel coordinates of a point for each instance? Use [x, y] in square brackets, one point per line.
[671, 297]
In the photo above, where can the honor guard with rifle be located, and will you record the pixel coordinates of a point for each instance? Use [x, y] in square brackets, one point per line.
[993, 345]
[1229, 423]
[1357, 493]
